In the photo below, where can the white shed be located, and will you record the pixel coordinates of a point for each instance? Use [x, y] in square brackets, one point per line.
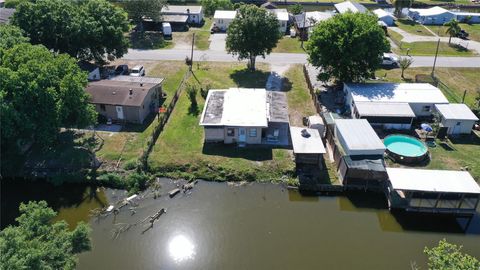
[385, 16]
[223, 18]
[431, 16]
[458, 118]
[357, 138]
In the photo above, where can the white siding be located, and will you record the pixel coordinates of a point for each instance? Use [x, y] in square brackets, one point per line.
[463, 127]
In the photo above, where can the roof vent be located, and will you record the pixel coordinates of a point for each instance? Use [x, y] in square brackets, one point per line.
[131, 91]
[114, 93]
[305, 133]
[141, 84]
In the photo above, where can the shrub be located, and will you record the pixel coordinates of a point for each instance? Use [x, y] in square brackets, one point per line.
[192, 94]
[137, 182]
[111, 180]
[130, 164]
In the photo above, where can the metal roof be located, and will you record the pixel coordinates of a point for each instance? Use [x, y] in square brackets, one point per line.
[369, 108]
[306, 145]
[432, 180]
[225, 14]
[5, 14]
[141, 79]
[430, 11]
[382, 13]
[281, 13]
[244, 107]
[350, 6]
[175, 18]
[358, 135]
[312, 18]
[456, 111]
[171, 9]
[396, 92]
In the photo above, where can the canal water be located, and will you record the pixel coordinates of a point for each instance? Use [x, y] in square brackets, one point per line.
[255, 226]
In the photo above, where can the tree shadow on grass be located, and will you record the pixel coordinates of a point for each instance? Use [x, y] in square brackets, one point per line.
[250, 79]
[253, 153]
[471, 139]
[193, 109]
[458, 47]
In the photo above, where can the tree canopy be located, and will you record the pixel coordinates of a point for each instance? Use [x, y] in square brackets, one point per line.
[453, 28]
[11, 35]
[88, 30]
[447, 256]
[139, 9]
[36, 243]
[401, 4]
[347, 47]
[254, 32]
[209, 6]
[40, 92]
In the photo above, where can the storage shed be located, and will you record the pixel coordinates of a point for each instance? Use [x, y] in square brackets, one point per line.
[307, 146]
[431, 16]
[385, 16]
[458, 118]
[357, 138]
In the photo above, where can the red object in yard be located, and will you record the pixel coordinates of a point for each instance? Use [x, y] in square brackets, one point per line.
[162, 110]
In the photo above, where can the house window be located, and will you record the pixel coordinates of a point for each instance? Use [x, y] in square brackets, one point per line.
[459, 123]
[102, 107]
[252, 132]
[230, 132]
[426, 108]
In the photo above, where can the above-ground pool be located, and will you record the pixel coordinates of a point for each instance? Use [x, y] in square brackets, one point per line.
[405, 149]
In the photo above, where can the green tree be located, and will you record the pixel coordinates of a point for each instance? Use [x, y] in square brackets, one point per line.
[39, 93]
[404, 63]
[139, 9]
[448, 256]
[401, 4]
[37, 243]
[253, 32]
[89, 30]
[10, 35]
[209, 6]
[295, 9]
[453, 28]
[348, 47]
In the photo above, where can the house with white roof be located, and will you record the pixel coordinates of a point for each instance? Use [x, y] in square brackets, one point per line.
[385, 16]
[282, 17]
[467, 17]
[194, 14]
[350, 6]
[245, 116]
[304, 22]
[223, 18]
[458, 118]
[431, 16]
[392, 105]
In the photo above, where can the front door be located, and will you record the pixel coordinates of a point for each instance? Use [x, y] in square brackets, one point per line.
[119, 112]
[242, 135]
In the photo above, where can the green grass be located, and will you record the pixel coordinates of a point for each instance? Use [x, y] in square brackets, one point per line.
[472, 29]
[299, 100]
[412, 27]
[289, 45]
[455, 81]
[149, 40]
[202, 34]
[451, 2]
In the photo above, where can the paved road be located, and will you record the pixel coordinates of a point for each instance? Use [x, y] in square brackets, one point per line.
[281, 58]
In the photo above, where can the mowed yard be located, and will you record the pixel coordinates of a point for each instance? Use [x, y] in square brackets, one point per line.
[181, 152]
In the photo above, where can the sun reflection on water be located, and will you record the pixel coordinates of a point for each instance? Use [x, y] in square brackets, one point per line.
[181, 248]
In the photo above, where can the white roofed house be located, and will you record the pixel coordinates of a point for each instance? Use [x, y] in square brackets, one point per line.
[392, 105]
[223, 18]
[467, 17]
[304, 22]
[194, 14]
[385, 16]
[431, 16]
[282, 17]
[457, 118]
[350, 6]
[245, 116]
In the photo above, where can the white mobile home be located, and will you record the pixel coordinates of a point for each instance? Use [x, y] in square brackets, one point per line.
[282, 17]
[349, 6]
[357, 138]
[385, 16]
[304, 22]
[421, 97]
[194, 13]
[458, 118]
[468, 17]
[431, 16]
[223, 18]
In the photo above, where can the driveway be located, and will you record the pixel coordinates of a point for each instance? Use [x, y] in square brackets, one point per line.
[217, 42]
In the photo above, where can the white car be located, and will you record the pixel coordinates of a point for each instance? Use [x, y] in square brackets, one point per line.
[137, 71]
[390, 59]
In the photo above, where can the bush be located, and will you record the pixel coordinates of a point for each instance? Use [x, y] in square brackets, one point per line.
[192, 94]
[112, 180]
[137, 182]
[130, 164]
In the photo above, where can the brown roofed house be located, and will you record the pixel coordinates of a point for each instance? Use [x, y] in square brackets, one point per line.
[130, 100]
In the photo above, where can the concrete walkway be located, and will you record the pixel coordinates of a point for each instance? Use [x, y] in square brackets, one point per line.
[409, 38]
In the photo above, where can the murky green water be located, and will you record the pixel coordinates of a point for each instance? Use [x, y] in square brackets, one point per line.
[262, 226]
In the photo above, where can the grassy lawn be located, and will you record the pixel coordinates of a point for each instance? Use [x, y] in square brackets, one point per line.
[472, 29]
[412, 27]
[184, 39]
[289, 45]
[455, 80]
[129, 143]
[149, 41]
[427, 48]
[299, 100]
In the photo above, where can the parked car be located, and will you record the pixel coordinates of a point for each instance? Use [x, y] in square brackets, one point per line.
[167, 30]
[137, 71]
[390, 59]
[462, 34]
[121, 70]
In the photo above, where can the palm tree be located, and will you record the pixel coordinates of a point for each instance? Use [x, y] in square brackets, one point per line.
[453, 29]
[404, 63]
[401, 4]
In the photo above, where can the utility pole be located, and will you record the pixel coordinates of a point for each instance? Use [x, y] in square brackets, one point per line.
[191, 54]
[435, 59]
[303, 29]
